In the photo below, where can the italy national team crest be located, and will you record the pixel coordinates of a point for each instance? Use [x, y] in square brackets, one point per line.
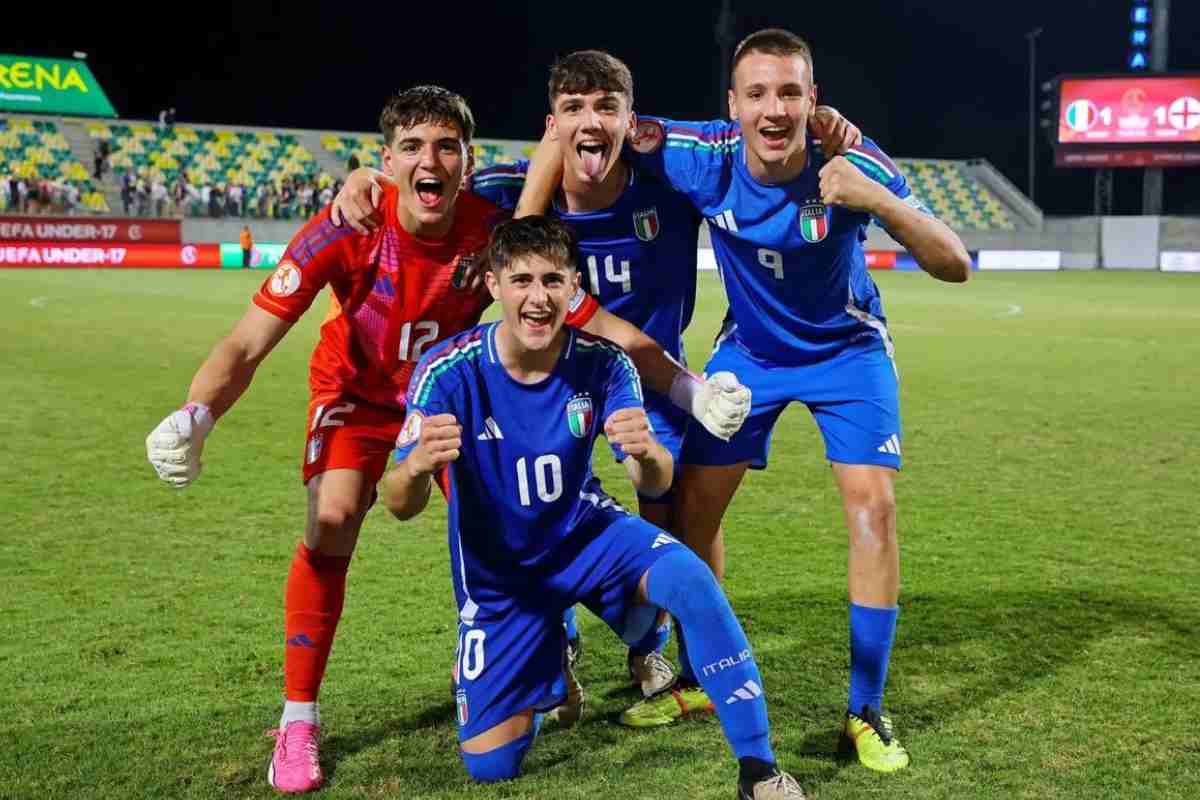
[645, 224]
[814, 222]
[460, 698]
[315, 444]
[463, 266]
[579, 415]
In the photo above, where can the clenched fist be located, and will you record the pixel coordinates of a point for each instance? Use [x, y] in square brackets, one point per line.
[629, 429]
[439, 442]
[843, 184]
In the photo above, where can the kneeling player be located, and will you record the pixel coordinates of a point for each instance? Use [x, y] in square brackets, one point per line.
[514, 408]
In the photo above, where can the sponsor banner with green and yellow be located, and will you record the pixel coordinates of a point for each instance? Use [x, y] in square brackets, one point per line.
[51, 86]
[264, 255]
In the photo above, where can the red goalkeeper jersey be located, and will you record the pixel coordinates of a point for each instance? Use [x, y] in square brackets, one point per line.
[394, 294]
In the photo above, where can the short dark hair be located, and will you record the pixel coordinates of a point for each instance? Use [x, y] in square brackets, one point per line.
[421, 104]
[547, 237]
[586, 71]
[775, 42]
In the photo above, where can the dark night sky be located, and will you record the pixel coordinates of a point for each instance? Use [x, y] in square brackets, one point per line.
[940, 78]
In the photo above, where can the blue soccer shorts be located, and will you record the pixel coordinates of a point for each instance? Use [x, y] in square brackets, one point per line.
[854, 397]
[669, 423]
[510, 634]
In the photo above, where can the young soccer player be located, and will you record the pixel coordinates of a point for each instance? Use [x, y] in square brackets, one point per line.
[806, 324]
[399, 290]
[637, 254]
[512, 409]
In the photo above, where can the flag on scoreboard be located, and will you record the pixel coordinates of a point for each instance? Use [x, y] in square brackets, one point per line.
[1081, 115]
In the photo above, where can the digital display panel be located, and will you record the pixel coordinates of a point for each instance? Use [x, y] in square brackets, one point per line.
[1158, 110]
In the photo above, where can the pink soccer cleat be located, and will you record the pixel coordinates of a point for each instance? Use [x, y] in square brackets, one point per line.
[294, 765]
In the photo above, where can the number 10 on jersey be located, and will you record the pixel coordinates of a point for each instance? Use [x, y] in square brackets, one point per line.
[547, 474]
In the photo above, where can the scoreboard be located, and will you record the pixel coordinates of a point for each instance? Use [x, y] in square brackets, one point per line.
[1129, 121]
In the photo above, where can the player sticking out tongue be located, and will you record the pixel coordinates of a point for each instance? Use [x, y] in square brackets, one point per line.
[593, 155]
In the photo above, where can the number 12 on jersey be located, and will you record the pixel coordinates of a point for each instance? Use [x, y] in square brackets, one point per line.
[427, 331]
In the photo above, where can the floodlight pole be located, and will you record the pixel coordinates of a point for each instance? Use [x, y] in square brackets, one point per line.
[723, 31]
[1032, 36]
[1152, 181]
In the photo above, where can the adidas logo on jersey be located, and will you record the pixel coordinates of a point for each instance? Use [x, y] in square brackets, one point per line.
[725, 221]
[747, 691]
[662, 539]
[892, 445]
[490, 431]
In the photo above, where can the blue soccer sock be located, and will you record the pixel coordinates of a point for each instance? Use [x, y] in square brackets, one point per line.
[872, 631]
[684, 585]
[686, 673]
[569, 623]
[654, 641]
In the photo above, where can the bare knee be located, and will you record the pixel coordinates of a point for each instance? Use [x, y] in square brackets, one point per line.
[871, 518]
[334, 517]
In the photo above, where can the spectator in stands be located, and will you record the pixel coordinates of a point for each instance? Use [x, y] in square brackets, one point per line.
[216, 202]
[98, 161]
[37, 190]
[179, 193]
[194, 201]
[142, 194]
[171, 118]
[246, 239]
[326, 196]
[352, 163]
[234, 202]
[127, 191]
[162, 120]
[22, 195]
[71, 197]
[260, 194]
[158, 194]
[306, 199]
[286, 198]
[4, 183]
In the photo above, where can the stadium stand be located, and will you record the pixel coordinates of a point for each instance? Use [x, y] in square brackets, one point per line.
[955, 196]
[216, 158]
[263, 161]
[35, 150]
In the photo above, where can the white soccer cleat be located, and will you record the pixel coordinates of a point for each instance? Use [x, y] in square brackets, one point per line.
[652, 672]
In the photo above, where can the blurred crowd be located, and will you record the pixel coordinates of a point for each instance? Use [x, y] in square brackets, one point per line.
[38, 196]
[290, 198]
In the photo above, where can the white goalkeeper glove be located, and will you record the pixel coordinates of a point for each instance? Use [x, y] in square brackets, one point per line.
[720, 403]
[174, 446]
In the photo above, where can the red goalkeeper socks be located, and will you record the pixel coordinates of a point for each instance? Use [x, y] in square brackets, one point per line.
[316, 591]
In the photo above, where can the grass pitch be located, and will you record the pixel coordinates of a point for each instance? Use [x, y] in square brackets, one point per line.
[1047, 645]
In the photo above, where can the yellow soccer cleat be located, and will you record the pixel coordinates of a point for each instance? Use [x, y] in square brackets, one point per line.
[667, 706]
[869, 736]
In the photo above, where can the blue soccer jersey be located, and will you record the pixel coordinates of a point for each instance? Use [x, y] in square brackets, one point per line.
[523, 482]
[793, 268]
[637, 257]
